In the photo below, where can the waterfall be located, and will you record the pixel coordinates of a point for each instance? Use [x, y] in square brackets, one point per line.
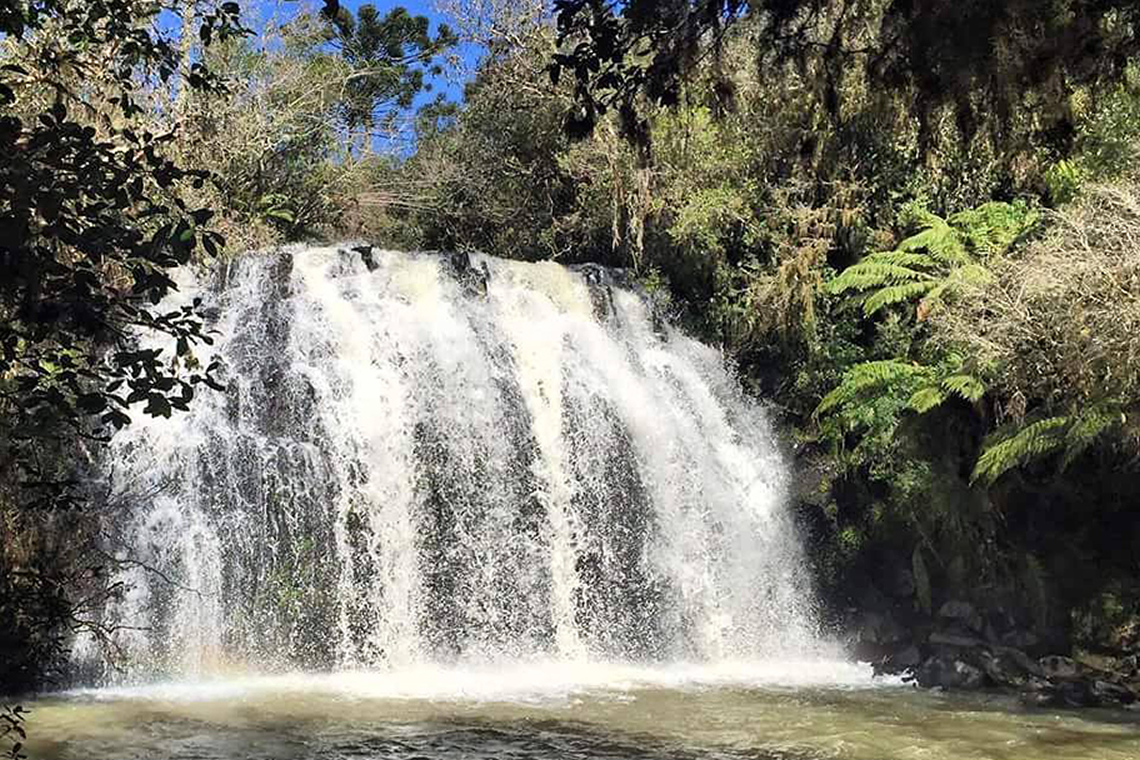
[424, 458]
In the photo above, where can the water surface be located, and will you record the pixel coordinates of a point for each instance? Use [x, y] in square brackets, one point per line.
[794, 711]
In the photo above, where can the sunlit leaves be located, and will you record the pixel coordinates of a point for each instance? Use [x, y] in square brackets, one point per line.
[92, 220]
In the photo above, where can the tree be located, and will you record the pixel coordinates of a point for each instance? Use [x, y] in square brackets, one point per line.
[390, 57]
[1006, 65]
[91, 223]
[93, 219]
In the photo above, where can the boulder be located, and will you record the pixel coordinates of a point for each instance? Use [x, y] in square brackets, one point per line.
[961, 612]
[1055, 666]
[897, 579]
[472, 278]
[955, 639]
[1076, 693]
[905, 659]
[1021, 639]
[1108, 693]
[366, 256]
[949, 673]
[879, 628]
[1010, 668]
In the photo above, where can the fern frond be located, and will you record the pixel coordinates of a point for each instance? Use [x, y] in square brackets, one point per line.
[1089, 425]
[906, 259]
[914, 215]
[893, 294]
[969, 274]
[968, 387]
[1032, 441]
[941, 241]
[869, 274]
[926, 399]
[993, 227]
[865, 377]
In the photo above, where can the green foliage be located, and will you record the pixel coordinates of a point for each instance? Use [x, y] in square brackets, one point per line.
[939, 259]
[95, 216]
[390, 58]
[1110, 130]
[924, 388]
[977, 62]
[1063, 181]
[871, 379]
[993, 228]
[87, 255]
[1025, 445]
[1069, 435]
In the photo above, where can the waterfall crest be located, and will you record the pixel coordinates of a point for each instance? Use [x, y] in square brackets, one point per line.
[432, 459]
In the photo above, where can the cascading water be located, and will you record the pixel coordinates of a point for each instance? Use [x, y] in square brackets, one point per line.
[429, 459]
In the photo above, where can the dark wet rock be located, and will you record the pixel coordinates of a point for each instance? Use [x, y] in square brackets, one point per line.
[1113, 693]
[1038, 692]
[366, 256]
[1021, 639]
[281, 275]
[473, 278]
[1129, 667]
[900, 583]
[1056, 666]
[879, 628]
[1076, 693]
[601, 297]
[949, 673]
[908, 658]
[954, 639]
[1009, 667]
[962, 612]
[1063, 682]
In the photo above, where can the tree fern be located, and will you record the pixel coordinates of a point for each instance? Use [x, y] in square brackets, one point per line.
[965, 386]
[939, 240]
[927, 387]
[1069, 435]
[994, 227]
[901, 293]
[1035, 440]
[1088, 426]
[875, 272]
[927, 398]
[864, 379]
[940, 258]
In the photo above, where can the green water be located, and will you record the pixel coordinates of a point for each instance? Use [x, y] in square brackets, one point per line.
[565, 712]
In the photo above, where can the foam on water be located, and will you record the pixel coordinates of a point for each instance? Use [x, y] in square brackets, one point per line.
[532, 683]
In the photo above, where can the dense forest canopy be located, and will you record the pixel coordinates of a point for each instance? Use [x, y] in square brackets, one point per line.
[997, 66]
[911, 225]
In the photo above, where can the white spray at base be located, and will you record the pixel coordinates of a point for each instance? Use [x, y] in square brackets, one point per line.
[441, 464]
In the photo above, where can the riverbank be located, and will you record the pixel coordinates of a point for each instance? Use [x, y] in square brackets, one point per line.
[963, 650]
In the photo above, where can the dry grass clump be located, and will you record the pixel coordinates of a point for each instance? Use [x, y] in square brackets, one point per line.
[1058, 326]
